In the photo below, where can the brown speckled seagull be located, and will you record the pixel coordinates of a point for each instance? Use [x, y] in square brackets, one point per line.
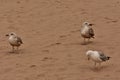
[14, 40]
[87, 31]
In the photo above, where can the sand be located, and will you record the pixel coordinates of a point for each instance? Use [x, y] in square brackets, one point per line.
[52, 47]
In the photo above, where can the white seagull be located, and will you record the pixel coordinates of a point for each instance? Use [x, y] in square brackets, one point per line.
[97, 56]
[14, 40]
[87, 31]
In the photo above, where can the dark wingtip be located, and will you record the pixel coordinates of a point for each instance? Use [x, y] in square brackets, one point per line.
[108, 58]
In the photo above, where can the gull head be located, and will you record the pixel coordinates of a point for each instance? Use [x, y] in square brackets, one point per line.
[11, 34]
[87, 24]
[88, 54]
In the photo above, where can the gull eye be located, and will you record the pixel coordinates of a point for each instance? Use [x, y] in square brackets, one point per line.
[11, 34]
[86, 23]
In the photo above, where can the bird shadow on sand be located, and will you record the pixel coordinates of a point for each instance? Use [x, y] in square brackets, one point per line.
[98, 68]
[20, 51]
[78, 43]
[86, 43]
[72, 44]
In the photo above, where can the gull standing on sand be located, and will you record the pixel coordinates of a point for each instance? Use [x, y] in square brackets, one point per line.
[87, 31]
[97, 56]
[14, 40]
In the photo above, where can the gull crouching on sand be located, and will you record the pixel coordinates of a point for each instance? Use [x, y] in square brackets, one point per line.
[97, 56]
[87, 31]
[14, 40]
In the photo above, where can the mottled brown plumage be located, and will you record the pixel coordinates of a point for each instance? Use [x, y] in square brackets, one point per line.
[87, 31]
[14, 40]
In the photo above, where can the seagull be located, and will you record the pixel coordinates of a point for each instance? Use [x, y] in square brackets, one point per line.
[14, 40]
[87, 31]
[97, 56]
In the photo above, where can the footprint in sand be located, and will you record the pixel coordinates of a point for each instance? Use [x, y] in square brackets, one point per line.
[31, 66]
[109, 20]
[18, 2]
[75, 31]
[54, 44]
[47, 58]
[46, 51]
[63, 36]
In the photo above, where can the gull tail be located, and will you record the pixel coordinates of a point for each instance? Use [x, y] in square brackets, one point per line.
[108, 57]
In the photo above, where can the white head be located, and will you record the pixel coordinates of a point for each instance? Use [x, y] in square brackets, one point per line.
[11, 34]
[87, 24]
[88, 53]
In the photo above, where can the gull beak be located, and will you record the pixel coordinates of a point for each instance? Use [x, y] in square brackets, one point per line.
[6, 35]
[109, 58]
[91, 24]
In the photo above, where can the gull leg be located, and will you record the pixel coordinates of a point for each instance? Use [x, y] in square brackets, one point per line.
[84, 40]
[95, 64]
[99, 65]
[17, 48]
[88, 40]
[96, 68]
[13, 48]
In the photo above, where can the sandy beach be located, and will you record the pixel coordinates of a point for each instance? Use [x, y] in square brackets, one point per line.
[52, 48]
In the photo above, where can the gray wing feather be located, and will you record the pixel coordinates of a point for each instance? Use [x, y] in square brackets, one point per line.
[103, 57]
[91, 32]
[19, 40]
